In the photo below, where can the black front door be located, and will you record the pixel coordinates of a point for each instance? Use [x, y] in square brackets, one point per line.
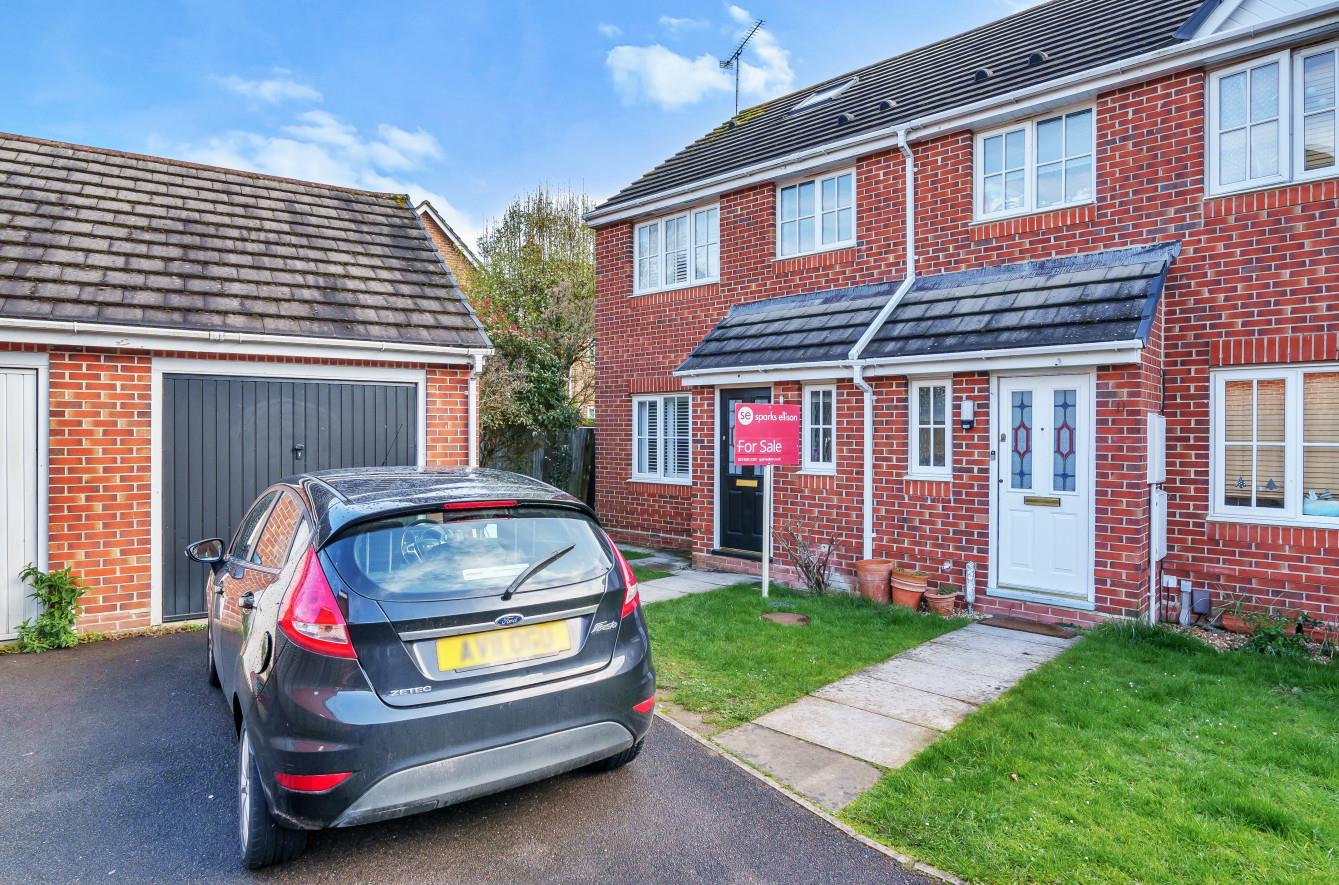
[741, 486]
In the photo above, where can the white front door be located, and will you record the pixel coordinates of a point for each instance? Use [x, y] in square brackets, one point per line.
[18, 494]
[1045, 479]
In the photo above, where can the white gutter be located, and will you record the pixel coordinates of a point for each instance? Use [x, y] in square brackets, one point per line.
[1200, 52]
[64, 332]
[473, 405]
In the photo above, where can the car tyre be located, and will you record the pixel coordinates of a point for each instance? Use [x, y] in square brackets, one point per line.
[212, 673]
[264, 841]
[618, 760]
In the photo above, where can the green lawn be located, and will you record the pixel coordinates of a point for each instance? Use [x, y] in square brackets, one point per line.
[646, 573]
[1139, 756]
[630, 555]
[714, 655]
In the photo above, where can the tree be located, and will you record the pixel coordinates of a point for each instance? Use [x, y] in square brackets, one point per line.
[535, 294]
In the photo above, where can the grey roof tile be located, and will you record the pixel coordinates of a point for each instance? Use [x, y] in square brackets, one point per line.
[97, 235]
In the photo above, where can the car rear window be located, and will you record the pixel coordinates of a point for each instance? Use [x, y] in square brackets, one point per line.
[437, 555]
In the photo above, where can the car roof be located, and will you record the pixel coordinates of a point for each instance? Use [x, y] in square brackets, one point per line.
[339, 498]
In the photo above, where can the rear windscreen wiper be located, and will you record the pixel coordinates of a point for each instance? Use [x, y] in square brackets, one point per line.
[535, 568]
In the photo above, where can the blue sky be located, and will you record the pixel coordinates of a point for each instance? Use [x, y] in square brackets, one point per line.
[468, 104]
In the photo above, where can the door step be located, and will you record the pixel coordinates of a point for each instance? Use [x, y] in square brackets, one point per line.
[1005, 622]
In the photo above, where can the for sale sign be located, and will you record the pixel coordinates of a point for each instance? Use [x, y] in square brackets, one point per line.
[767, 434]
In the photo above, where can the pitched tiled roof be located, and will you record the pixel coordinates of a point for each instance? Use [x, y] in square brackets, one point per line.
[1096, 298]
[1073, 35]
[1101, 297]
[96, 236]
[795, 329]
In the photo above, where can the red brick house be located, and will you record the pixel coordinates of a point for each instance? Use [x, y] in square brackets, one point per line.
[993, 270]
[174, 337]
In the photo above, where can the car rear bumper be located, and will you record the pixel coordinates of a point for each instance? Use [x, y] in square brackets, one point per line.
[459, 778]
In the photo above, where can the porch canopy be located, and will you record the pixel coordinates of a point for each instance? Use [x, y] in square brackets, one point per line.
[1101, 301]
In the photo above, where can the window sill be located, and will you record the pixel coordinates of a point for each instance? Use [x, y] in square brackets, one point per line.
[699, 284]
[819, 258]
[1026, 222]
[928, 477]
[659, 480]
[1300, 522]
[817, 471]
[1272, 196]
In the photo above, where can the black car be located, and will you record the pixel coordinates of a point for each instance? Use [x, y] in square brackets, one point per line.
[392, 641]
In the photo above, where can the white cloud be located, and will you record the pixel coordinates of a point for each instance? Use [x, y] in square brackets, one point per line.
[280, 87]
[679, 25]
[613, 32]
[318, 146]
[661, 76]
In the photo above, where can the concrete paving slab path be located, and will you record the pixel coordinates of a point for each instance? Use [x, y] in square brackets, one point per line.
[686, 582]
[886, 714]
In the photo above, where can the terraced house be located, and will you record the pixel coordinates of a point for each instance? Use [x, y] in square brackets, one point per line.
[1059, 296]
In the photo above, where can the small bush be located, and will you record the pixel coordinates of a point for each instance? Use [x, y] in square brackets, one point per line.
[1277, 637]
[58, 593]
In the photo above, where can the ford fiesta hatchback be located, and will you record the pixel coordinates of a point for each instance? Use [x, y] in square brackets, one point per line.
[392, 641]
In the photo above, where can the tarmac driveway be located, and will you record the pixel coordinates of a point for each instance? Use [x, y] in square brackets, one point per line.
[119, 765]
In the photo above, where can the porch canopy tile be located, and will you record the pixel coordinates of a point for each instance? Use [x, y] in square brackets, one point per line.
[1097, 298]
[818, 327]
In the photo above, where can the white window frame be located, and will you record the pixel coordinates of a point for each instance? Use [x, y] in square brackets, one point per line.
[1291, 514]
[817, 182]
[914, 468]
[689, 216]
[808, 465]
[662, 440]
[1298, 111]
[1029, 129]
[1286, 114]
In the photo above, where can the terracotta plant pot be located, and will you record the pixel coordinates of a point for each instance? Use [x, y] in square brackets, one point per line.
[1235, 624]
[1326, 634]
[942, 604]
[871, 577]
[908, 588]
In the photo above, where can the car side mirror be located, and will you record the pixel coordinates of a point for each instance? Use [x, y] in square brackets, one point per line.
[208, 551]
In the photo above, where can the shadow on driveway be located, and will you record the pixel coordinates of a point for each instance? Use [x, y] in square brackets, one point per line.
[120, 765]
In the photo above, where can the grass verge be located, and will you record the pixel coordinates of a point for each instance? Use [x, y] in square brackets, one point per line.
[715, 655]
[647, 573]
[630, 555]
[1137, 755]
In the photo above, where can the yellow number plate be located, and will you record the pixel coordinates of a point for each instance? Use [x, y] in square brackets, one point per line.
[502, 646]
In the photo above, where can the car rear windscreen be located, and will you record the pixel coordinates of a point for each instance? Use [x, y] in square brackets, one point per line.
[440, 555]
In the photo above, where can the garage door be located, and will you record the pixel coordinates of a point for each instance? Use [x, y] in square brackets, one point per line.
[225, 439]
[18, 494]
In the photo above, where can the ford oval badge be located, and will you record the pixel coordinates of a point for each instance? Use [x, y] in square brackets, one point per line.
[508, 620]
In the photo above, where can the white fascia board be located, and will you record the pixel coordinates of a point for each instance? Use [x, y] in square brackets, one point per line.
[71, 334]
[1207, 51]
[437, 219]
[764, 374]
[1066, 356]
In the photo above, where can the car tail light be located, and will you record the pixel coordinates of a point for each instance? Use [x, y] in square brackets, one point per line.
[311, 783]
[311, 618]
[629, 580]
[645, 706]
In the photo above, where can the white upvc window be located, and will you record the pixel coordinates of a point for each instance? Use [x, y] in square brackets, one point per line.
[1316, 74]
[662, 438]
[816, 215]
[678, 250]
[1249, 124]
[1041, 164]
[1275, 451]
[930, 423]
[820, 429]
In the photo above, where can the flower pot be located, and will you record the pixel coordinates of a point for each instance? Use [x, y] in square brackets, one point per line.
[908, 588]
[941, 604]
[871, 577]
[1235, 624]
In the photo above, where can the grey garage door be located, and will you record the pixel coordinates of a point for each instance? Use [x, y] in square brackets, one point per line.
[225, 439]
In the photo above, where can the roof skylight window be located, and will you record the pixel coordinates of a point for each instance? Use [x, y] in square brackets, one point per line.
[823, 95]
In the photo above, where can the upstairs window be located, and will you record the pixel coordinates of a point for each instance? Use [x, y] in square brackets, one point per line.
[931, 431]
[1041, 164]
[661, 437]
[816, 215]
[1272, 120]
[820, 429]
[681, 250]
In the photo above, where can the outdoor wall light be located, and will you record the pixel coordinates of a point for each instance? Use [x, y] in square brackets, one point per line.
[967, 414]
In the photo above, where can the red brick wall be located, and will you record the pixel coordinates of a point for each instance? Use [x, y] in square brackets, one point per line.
[100, 474]
[1251, 268]
[460, 266]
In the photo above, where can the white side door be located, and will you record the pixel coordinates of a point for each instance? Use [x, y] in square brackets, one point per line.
[1045, 481]
[18, 494]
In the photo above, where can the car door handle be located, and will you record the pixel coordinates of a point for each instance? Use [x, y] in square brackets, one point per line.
[248, 601]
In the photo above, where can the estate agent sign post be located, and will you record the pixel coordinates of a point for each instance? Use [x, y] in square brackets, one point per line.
[767, 435]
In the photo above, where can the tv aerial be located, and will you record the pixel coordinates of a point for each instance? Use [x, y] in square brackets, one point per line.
[733, 60]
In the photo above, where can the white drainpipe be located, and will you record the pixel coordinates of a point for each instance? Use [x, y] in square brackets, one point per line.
[858, 365]
[473, 407]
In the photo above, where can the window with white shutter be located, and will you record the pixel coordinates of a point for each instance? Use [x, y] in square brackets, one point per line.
[679, 250]
[662, 438]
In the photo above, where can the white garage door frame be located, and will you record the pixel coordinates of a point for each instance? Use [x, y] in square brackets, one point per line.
[244, 368]
[40, 364]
